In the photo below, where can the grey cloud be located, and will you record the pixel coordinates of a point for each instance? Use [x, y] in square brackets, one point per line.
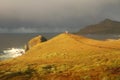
[58, 15]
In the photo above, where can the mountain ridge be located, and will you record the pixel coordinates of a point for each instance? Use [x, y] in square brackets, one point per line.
[106, 26]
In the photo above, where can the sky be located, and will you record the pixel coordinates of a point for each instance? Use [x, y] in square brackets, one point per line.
[25, 16]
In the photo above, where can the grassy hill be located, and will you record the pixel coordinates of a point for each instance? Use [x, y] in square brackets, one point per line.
[66, 57]
[105, 27]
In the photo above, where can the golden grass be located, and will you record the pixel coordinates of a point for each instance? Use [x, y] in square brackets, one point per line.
[66, 57]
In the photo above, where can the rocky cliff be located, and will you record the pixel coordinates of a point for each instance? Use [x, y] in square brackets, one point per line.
[34, 41]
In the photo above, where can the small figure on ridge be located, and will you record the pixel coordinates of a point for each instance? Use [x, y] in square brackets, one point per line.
[66, 32]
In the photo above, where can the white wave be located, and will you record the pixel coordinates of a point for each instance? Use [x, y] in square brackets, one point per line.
[12, 53]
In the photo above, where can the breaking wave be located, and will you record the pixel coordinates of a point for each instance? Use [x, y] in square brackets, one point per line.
[12, 53]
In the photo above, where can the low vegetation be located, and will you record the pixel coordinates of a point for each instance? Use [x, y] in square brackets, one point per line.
[66, 57]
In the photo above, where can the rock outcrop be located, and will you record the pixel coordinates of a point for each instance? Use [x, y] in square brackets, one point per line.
[34, 41]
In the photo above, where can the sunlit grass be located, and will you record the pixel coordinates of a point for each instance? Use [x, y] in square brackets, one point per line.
[66, 57]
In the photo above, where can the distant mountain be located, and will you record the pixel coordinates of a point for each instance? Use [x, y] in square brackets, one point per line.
[105, 27]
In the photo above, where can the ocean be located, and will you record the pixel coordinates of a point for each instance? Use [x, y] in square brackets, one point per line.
[11, 44]
[19, 40]
[15, 42]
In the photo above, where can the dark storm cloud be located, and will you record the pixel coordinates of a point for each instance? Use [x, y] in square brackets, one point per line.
[56, 15]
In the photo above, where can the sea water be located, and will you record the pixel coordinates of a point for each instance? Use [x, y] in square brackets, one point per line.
[12, 45]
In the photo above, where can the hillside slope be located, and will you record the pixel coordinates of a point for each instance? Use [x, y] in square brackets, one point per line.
[105, 27]
[66, 57]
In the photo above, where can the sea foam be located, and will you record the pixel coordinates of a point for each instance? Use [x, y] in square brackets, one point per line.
[12, 53]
